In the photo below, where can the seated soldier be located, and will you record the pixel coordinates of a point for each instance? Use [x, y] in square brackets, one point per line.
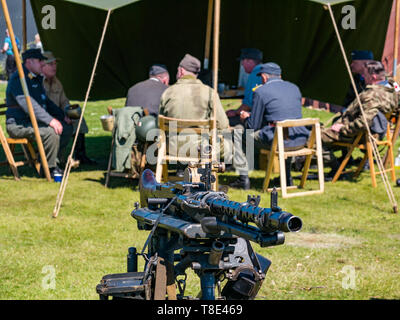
[54, 126]
[378, 99]
[189, 98]
[359, 59]
[55, 92]
[147, 94]
[275, 100]
[250, 59]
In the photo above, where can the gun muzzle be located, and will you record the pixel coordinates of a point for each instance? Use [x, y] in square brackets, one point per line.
[291, 224]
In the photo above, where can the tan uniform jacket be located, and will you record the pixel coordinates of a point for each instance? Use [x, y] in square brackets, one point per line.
[189, 98]
[374, 98]
[55, 92]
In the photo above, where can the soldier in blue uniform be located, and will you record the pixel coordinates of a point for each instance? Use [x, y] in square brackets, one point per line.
[54, 126]
[250, 59]
[276, 100]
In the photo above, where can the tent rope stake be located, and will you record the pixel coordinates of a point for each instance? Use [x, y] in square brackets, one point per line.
[372, 140]
[67, 170]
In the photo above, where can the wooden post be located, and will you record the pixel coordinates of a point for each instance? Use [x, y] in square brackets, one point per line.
[217, 10]
[208, 35]
[24, 41]
[396, 40]
[26, 92]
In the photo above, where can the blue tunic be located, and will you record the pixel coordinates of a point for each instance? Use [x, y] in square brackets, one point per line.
[252, 81]
[45, 109]
[277, 100]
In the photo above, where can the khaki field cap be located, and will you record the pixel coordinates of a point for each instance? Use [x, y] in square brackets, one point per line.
[190, 64]
[50, 57]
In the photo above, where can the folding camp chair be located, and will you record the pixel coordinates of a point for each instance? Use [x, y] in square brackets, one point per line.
[200, 127]
[312, 148]
[9, 144]
[362, 142]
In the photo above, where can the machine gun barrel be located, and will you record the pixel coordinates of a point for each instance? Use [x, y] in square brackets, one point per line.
[267, 219]
[207, 203]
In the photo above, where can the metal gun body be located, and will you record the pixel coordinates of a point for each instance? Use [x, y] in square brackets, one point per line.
[212, 235]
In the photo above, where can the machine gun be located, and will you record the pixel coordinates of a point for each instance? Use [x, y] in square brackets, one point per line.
[212, 235]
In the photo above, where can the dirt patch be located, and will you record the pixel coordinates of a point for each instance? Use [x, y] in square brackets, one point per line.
[395, 236]
[320, 240]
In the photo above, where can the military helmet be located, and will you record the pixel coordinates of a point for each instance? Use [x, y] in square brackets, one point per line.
[144, 125]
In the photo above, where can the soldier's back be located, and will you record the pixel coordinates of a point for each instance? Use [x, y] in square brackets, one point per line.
[189, 98]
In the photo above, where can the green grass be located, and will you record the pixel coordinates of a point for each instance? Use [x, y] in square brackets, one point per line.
[350, 225]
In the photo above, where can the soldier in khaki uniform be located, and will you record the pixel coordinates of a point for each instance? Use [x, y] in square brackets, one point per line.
[378, 99]
[189, 98]
[55, 92]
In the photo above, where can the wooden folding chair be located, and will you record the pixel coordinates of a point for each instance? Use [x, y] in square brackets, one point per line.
[312, 148]
[200, 127]
[394, 122]
[362, 142]
[9, 144]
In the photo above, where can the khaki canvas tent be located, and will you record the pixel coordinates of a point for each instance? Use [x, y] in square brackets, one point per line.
[297, 34]
[302, 41]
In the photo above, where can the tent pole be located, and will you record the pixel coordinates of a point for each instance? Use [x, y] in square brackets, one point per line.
[24, 41]
[217, 12]
[370, 137]
[68, 167]
[396, 40]
[26, 92]
[208, 35]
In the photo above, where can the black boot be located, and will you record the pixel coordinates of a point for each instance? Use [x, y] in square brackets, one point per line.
[289, 180]
[80, 151]
[276, 182]
[243, 182]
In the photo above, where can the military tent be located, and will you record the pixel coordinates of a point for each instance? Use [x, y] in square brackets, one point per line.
[297, 34]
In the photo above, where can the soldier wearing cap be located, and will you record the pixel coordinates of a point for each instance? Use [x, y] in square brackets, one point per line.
[55, 92]
[379, 98]
[250, 59]
[189, 98]
[147, 94]
[276, 100]
[359, 58]
[54, 127]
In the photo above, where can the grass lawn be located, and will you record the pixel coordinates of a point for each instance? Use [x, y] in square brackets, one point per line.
[349, 232]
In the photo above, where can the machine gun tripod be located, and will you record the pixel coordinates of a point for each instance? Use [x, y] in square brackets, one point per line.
[211, 235]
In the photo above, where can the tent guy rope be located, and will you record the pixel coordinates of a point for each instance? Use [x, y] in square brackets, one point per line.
[67, 170]
[372, 140]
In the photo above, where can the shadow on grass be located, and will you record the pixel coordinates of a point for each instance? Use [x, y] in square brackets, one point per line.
[117, 182]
